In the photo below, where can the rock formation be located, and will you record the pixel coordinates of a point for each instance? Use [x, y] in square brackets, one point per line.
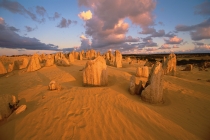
[136, 85]
[34, 63]
[169, 64]
[80, 56]
[7, 105]
[11, 67]
[76, 55]
[118, 59]
[71, 58]
[95, 73]
[49, 61]
[188, 67]
[24, 63]
[54, 86]
[142, 71]
[62, 62]
[2, 69]
[153, 91]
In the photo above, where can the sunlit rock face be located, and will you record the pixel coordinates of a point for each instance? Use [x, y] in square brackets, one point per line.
[34, 63]
[49, 61]
[95, 72]
[136, 85]
[2, 69]
[24, 63]
[142, 71]
[71, 57]
[118, 59]
[11, 67]
[76, 55]
[6, 100]
[80, 56]
[153, 91]
[169, 64]
[62, 62]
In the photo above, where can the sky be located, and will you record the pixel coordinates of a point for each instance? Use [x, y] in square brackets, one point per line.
[130, 26]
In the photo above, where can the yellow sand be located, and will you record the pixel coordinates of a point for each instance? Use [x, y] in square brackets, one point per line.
[105, 113]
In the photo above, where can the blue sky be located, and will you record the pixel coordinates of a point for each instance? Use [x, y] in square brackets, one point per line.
[135, 26]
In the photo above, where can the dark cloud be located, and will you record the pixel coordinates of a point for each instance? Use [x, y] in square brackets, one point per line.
[14, 29]
[160, 33]
[55, 16]
[169, 34]
[10, 39]
[40, 10]
[16, 7]
[147, 30]
[29, 29]
[203, 8]
[199, 31]
[153, 32]
[161, 23]
[68, 49]
[203, 24]
[198, 43]
[147, 42]
[64, 23]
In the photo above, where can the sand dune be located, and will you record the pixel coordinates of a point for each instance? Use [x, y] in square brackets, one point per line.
[78, 112]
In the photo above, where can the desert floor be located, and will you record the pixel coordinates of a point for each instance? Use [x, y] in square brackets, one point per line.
[97, 113]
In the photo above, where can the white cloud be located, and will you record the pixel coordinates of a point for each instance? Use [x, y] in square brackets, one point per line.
[85, 15]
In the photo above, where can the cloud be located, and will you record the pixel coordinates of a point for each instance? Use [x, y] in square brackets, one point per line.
[165, 46]
[147, 30]
[152, 32]
[107, 27]
[160, 33]
[14, 29]
[203, 24]
[64, 23]
[40, 10]
[85, 43]
[201, 49]
[174, 40]
[147, 42]
[29, 29]
[169, 34]
[85, 15]
[2, 26]
[16, 7]
[198, 43]
[83, 37]
[161, 23]
[10, 39]
[55, 16]
[102, 38]
[175, 46]
[203, 8]
[151, 49]
[109, 12]
[1, 20]
[201, 33]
